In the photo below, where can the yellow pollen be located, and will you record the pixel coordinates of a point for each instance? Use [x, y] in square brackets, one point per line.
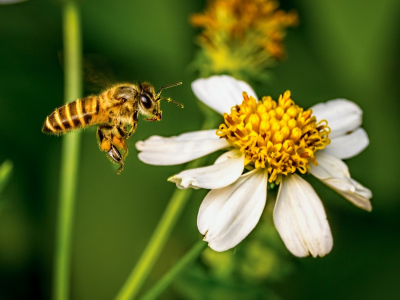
[277, 135]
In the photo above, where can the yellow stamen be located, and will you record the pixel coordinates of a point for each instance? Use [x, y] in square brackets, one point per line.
[277, 135]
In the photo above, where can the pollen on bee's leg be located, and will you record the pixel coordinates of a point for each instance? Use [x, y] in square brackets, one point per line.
[105, 145]
[121, 145]
[117, 142]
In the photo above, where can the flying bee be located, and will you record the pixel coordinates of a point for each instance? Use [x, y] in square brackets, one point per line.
[115, 110]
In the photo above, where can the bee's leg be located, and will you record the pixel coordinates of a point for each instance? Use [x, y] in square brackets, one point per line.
[121, 145]
[116, 157]
[131, 131]
[118, 139]
[104, 137]
[120, 131]
[117, 146]
[134, 124]
[105, 140]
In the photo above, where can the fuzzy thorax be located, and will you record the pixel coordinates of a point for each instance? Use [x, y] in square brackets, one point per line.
[277, 135]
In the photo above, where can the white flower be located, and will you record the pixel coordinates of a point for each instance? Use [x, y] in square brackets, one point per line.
[276, 139]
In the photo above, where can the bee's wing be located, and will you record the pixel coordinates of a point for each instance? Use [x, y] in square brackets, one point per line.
[97, 72]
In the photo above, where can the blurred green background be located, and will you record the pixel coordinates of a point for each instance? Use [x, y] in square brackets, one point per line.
[341, 48]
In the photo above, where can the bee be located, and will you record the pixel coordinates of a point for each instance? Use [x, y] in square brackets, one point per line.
[116, 110]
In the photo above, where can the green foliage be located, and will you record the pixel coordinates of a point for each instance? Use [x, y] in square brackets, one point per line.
[260, 260]
[199, 285]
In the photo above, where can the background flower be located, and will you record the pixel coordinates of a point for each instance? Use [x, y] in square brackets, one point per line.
[241, 38]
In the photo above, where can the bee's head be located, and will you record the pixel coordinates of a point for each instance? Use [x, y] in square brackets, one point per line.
[149, 105]
[149, 101]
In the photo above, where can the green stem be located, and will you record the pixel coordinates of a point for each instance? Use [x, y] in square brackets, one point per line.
[5, 173]
[176, 270]
[70, 152]
[161, 234]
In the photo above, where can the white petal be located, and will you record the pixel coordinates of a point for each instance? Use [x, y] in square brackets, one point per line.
[228, 215]
[349, 145]
[175, 150]
[300, 218]
[342, 115]
[212, 177]
[221, 92]
[225, 156]
[335, 174]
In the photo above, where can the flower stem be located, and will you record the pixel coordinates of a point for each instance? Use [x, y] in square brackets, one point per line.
[162, 232]
[176, 270]
[70, 151]
[5, 173]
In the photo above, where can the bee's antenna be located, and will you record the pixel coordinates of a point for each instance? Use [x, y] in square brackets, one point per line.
[166, 87]
[172, 101]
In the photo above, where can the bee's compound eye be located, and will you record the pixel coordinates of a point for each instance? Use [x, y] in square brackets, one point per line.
[145, 101]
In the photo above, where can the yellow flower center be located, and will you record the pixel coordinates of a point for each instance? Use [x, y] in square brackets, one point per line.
[277, 135]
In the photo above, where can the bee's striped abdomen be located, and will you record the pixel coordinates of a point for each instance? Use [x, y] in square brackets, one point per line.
[71, 116]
